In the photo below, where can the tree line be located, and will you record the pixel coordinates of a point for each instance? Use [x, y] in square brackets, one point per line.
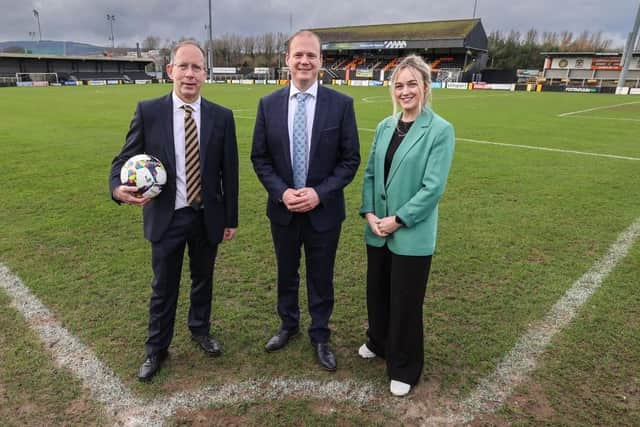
[517, 50]
[506, 50]
[234, 50]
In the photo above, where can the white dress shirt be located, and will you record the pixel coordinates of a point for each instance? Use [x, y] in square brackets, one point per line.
[178, 143]
[310, 105]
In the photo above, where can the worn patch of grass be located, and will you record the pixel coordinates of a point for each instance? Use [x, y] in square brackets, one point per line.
[286, 413]
[33, 391]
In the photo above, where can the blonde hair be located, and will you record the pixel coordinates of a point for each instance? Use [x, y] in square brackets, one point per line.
[421, 71]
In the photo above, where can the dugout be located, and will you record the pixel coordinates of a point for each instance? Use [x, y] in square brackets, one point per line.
[454, 48]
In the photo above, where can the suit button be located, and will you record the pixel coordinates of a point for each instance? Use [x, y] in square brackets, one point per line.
[383, 197]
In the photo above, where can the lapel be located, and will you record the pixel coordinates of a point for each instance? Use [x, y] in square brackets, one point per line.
[319, 118]
[206, 130]
[415, 134]
[281, 115]
[166, 112]
[382, 144]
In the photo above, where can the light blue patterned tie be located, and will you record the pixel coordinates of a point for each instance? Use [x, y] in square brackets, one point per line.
[300, 142]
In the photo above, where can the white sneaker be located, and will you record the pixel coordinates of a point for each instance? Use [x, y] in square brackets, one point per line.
[398, 388]
[365, 353]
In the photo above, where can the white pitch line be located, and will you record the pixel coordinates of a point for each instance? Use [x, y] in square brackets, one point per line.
[67, 350]
[492, 391]
[604, 107]
[250, 391]
[623, 119]
[106, 388]
[533, 147]
[515, 367]
[557, 150]
[386, 98]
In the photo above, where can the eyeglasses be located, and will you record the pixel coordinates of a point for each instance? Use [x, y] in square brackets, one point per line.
[194, 67]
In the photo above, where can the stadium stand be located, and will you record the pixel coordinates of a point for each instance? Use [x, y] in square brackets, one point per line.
[601, 69]
[370, 52]
[69, 68]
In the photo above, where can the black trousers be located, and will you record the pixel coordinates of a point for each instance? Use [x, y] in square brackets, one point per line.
[320, 253]
[396, 286]
[186, 229]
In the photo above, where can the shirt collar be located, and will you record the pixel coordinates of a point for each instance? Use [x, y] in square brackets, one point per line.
[178, 103]
[313, 90]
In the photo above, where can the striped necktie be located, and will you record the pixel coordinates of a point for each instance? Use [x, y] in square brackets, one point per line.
[300, 142]
[191, 156]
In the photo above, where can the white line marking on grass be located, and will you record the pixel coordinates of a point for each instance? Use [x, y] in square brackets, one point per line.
[604, 107]
[375, 99]
[514, 369]
[106, 388]
[385, 98]
[557, 150]
[67, 350]
[604, 118]
[533, 147]
[251, 391]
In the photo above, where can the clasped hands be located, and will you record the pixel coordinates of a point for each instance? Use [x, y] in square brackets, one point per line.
[300, 200]
[382, 227]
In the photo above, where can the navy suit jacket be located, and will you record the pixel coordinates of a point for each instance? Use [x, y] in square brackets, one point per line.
[151, 132]
[333, 158]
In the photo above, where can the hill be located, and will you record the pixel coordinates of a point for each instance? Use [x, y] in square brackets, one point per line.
[51, 47]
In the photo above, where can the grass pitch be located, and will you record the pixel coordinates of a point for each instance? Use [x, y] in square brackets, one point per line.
[517, 227]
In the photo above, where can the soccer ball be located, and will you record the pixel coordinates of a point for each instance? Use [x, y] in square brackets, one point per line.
[144, 172]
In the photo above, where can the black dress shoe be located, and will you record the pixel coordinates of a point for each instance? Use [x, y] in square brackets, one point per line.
[151, 365]
[280, 339]
[208, 344]
[326, 358]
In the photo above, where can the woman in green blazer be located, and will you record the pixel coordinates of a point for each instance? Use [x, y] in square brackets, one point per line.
[403, 182]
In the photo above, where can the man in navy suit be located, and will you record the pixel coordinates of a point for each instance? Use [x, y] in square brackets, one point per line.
[305, 151]
[198, 206]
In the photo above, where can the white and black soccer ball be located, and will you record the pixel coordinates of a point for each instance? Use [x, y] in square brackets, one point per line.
[144, 172]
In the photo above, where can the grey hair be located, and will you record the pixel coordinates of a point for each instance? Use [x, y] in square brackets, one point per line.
[422, 72]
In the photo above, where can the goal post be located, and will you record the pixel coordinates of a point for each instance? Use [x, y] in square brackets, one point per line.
[36, 79]
[446, 75]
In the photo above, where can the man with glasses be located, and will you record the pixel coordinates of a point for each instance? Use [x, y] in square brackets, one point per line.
[198, 208]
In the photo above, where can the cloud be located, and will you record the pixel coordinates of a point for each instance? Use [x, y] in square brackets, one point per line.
[82, 21]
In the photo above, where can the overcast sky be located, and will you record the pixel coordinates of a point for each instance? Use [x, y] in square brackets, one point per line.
[86, 21]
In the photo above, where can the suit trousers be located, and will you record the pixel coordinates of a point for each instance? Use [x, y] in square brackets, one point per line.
[186, 229]
[396, 285]
[320, 253]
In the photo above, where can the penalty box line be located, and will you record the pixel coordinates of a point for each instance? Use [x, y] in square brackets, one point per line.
[533, 147]
[492, 391]
[514, 369]
[107, 389]
[604, 107]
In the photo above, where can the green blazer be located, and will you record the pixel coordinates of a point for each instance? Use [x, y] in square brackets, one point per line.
[416, 181]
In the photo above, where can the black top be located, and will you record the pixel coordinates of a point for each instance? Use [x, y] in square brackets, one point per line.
[398, 135]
